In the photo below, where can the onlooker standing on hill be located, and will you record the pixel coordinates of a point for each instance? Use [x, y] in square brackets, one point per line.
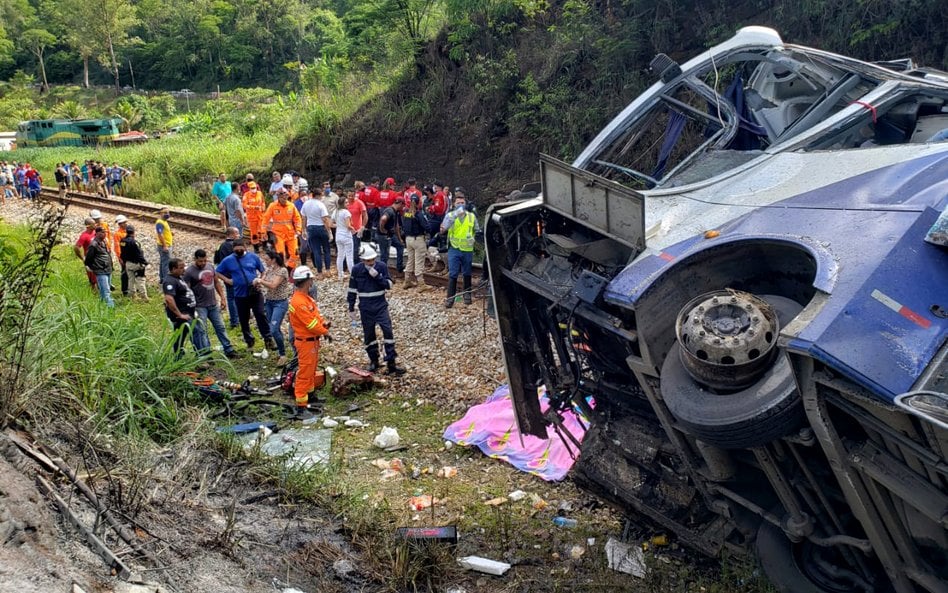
[131, 255]
[179, 303]
[98, 262]
[202, 280]
[276, 184]
[165, 239]
[344, 237]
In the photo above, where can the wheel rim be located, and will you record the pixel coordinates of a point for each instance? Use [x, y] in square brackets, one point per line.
[727, 338]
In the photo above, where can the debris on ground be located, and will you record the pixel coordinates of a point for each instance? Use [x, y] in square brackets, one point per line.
[447, 534]
[447, 472]
[626, 558]
[306, 447]
[517, 495]
[484, 565]
[496, 502]
[421, 502]
[387, 438]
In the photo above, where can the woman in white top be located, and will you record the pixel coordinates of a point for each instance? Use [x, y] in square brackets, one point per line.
[343, 222]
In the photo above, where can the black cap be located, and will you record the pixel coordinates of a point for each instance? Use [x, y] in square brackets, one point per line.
[129, 229]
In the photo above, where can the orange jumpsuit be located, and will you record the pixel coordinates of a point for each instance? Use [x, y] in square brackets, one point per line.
[285, 222]
[254, 206]
[308, 325]
[117, 237]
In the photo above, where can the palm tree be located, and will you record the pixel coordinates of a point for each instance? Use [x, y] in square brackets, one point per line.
[129, 115]
[70, 110]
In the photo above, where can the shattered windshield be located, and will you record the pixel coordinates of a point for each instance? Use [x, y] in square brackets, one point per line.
[724, 115]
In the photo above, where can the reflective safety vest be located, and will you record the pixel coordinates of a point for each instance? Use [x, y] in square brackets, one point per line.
[304, 316]
[461, 233]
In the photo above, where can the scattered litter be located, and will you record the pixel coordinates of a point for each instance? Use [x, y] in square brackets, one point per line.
[342, 418]
[456, 589]
[343, 567]
[447, 534]
[517, 495]
[307, 447]
[496, 501]
[538, 503]
[485, 565]
[565, 522]
[353, 423]
[447, 472]
[394, 464]
[418, 503]
[121, 587]
[246, 427]
[591, 541]
[625, 558]
[565, 506]
[290, 589]
[387, 438]
[330, 423]
[576, 552]
[448, 445]
[390, 474]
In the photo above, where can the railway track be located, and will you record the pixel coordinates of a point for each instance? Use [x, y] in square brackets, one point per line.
[137, 211]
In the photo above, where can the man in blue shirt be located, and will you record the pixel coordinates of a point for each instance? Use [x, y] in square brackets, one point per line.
[238, 271]
[221, 188]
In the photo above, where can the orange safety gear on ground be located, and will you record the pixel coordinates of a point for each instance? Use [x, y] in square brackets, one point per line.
[286, 223]
[308, 325]
[116, 239]
[254, 207]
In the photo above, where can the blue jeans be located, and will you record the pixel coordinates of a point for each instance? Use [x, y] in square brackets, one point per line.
[276, 311]
[459, 262]
[199, 337]
[318, 239]
[231, 306]
[164, 256]
[386, 242]
[104, 282]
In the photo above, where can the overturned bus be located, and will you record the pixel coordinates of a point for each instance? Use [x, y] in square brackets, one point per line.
[735, 273]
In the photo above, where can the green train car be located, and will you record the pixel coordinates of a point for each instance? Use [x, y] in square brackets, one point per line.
[66, 132]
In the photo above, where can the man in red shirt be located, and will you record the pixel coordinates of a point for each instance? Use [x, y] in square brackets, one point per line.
[388, 195]
[82, 246]
[436, 209]
[360, 217]
[371, 197]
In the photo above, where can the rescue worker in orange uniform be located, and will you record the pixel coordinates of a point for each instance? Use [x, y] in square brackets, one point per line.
[254, 207]
[308, 326]
[284, 220]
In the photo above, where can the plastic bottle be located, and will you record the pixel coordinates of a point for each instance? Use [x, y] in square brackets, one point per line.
[564, 522]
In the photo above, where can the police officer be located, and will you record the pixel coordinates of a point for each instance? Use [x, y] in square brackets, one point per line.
[368, 282]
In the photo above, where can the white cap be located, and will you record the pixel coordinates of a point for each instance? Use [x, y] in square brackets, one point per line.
[95, 214]
[367, 253]
[120, 219]
[302, 273]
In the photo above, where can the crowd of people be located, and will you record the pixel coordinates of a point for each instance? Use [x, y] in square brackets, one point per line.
[270, 276]
[21, 180]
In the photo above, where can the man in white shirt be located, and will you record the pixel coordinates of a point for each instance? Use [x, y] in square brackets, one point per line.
[276, 185]
[318, 227]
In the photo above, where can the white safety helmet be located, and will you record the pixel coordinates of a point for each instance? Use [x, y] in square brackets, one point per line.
[367, 253]
[287, 179]
[95, 214]
[120, 219]
[302, 273]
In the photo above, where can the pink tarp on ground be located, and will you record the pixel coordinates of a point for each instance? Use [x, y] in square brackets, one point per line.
[492, 426]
